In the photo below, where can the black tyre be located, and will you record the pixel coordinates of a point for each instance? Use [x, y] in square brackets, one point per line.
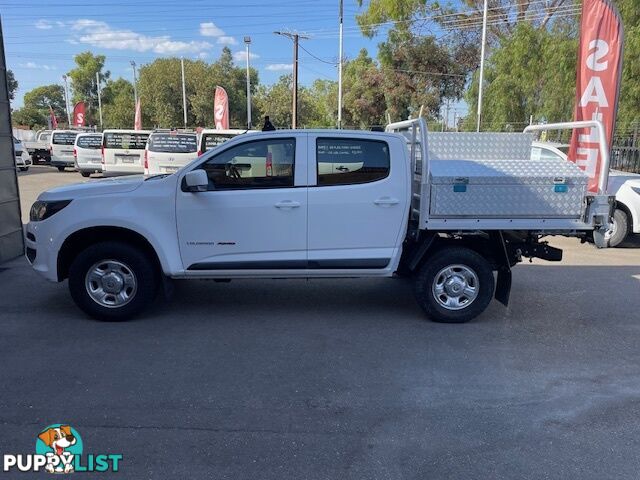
[620, 228]
[454, 285]
[113, 281]
[61, 169]
[24, 169]
[85, 174]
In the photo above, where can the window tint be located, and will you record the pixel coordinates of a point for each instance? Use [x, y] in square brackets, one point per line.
[211, 140]
[172, 143]
[347, 161]
[126, 141]
[91, 141]
[259, 164]
[44, 137]
[64, 138]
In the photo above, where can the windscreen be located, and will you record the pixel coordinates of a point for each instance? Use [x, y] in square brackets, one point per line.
[125, 141]
[93, 141]
[64, 138]
[168, 143]
[44, 137]
[211, 140]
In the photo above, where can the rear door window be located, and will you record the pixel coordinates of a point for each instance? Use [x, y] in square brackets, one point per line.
[343, 161]
[93, 142]
[125, 141]
[212, 140]
[168, 143]
[64, 138]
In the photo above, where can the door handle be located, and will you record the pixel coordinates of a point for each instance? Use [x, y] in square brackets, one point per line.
[287, 204]
[386, 201]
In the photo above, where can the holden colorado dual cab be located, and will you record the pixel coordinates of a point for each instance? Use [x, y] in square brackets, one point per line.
[446, 209]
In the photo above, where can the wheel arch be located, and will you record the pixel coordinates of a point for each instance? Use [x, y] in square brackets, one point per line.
[627, 211]
[85, 237]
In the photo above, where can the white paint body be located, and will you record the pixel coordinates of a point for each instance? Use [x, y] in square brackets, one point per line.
[88, 159]
[123, 161]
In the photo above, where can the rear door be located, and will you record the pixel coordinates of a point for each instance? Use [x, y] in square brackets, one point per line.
[167, 152]
[88, 150]
[358, 202]
[62, 147]
[253, 218]
[124, 151]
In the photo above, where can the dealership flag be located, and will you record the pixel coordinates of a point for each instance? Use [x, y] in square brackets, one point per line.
[597, 82]
[78, 114]
[221, 109]
[137, 122]
[52, 118]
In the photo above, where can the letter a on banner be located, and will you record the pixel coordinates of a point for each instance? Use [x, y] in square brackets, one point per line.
[221, 109]
[597, 83]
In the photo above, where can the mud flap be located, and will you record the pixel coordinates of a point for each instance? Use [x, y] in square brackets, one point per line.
[503, 286]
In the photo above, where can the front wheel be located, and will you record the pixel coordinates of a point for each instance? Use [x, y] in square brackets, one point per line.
[454, 285]
[85, 174]
[61, 169]
[24, 169]
[112, 281]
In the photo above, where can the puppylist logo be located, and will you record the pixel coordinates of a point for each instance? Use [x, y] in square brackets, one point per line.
[59, 450]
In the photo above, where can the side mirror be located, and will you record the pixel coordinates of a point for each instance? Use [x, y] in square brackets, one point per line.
[196, 181]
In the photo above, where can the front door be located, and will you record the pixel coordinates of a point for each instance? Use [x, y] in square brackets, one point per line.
[358, 202]
[254, 214]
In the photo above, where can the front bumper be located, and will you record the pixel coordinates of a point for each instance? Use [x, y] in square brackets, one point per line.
[40, 250]
[62, 163]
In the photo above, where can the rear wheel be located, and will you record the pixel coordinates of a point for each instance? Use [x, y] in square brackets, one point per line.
[24, 169]
[112, 281]
[620, 228]
[61, 169]
[85, 174]
[454, 285]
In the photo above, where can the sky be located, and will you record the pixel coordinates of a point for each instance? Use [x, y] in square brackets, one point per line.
[41, 37]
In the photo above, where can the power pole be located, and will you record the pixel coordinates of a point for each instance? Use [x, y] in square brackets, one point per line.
[340, 68]
[296, 38]
[184, 93]
[135, 83]
[481, 80]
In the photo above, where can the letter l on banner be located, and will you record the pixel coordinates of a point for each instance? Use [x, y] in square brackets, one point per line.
[599, 71]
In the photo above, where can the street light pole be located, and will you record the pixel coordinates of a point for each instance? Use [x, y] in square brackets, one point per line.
[135, 83]
[66, 99]
[99, 97]
[184, 93]
[247, 42]
[296, 38]
[481, 80]
[340, 54]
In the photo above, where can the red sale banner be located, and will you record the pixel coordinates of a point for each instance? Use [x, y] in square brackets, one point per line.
[52, 118]
[79, 114]
[221, 109]
[597, 84]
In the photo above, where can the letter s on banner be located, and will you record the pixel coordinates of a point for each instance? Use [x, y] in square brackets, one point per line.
[78, 114]
[597, 82]
[221, 109]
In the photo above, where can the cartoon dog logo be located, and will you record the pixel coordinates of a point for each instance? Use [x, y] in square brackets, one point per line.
[59, 439]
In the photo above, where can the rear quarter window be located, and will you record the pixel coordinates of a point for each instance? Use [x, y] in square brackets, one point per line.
[94, 142]
[168, 143]
[64, 138]
[125, 141]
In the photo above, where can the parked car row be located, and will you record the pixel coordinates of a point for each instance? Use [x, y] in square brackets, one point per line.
[125, 152]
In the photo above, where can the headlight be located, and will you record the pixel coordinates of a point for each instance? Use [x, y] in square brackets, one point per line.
[42, 210]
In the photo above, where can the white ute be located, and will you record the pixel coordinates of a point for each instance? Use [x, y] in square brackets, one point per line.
[321, 204]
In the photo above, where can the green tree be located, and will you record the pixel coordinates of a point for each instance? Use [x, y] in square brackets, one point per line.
[118, 109]
[30, 117]
[364, 96]
[83, 81]
[12, 84]
[39, 99]
[629, 103]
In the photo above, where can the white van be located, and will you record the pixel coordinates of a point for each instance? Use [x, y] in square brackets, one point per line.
[123, 151]
[61, 148]
[168, 150]
[87, 154]
[210, 138]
